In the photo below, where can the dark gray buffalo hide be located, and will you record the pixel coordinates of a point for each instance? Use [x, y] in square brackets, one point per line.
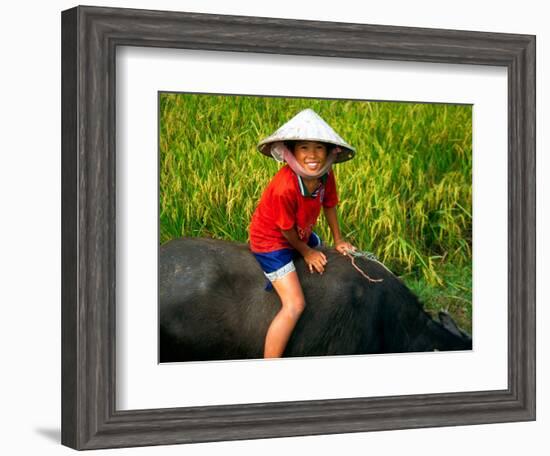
[213, 306]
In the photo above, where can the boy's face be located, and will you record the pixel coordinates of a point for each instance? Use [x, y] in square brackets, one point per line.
[311, 155]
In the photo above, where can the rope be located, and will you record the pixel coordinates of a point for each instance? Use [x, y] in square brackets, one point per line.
[352, 254]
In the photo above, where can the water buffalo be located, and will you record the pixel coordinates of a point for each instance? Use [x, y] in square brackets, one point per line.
[213, 306]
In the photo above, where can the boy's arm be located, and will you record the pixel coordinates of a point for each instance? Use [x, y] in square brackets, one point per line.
[294, 240]
[332, 219]
[314, 259]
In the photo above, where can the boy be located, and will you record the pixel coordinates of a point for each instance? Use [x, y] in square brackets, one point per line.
[282, 224]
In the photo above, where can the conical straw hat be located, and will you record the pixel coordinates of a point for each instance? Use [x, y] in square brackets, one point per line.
[307, 125]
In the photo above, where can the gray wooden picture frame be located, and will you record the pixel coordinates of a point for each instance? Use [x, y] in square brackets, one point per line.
[90, 36]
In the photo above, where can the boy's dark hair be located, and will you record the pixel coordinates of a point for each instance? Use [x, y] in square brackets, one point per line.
[292, 143]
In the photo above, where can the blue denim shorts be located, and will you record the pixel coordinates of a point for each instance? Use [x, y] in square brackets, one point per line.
[278, 263]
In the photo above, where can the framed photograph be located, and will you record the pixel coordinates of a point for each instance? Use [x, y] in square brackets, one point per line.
[140, 87]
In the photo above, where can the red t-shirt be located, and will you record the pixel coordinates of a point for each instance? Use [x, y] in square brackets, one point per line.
[283, 206]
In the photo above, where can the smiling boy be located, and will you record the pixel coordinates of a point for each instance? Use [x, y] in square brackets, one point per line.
[282, 224]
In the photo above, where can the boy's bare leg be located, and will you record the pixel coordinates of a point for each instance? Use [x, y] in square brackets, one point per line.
[292, 300]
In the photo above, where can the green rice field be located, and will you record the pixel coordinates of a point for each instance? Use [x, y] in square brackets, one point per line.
[406, 196]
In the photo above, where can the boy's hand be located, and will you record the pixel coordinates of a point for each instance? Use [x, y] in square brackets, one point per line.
[315, 260]
[343, 247]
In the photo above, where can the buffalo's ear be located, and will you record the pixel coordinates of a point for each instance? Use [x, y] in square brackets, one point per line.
[449, 324]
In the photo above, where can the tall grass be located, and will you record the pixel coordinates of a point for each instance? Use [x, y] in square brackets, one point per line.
[406, 196]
